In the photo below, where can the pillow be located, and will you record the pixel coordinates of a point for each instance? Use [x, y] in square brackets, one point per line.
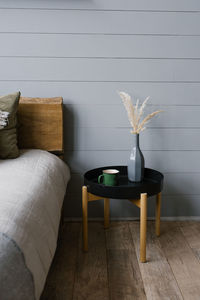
[8, 134]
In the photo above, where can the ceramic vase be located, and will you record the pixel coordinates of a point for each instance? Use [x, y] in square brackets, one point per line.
[136, 162]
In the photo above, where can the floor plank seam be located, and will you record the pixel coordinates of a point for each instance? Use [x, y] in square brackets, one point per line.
[77, 254]
[171, 268]
[197, 257]
[108, 281]
[133, 245]
[175, 279]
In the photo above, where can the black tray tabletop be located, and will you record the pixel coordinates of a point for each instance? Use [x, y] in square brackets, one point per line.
[152, 184]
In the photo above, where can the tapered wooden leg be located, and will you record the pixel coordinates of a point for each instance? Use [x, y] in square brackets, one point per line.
[106, 212]
[143, 226]
[158, 208]
[85, 217]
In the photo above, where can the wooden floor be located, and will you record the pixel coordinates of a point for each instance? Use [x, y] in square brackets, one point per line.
[111, 269]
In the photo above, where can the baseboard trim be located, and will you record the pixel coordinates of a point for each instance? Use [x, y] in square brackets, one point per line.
[179, 218]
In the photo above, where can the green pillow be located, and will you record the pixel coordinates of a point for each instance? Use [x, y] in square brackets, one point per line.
[8, 134]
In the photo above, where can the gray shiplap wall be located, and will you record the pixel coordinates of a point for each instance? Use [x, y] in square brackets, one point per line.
[86, 50]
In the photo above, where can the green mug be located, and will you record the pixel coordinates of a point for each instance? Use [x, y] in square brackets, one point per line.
[109, 177]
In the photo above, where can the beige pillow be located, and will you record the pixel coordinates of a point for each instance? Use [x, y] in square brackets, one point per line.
[8, 134]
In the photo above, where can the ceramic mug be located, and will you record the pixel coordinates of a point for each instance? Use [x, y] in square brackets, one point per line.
[109, 177]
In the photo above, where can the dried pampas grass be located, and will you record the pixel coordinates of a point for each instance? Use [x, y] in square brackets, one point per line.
[135, 113]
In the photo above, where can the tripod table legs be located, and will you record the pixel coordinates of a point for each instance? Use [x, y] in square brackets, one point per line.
[88, 197]
[158, 207]
[143, 226]
[85, 217]
[106, 212]
[141, 203]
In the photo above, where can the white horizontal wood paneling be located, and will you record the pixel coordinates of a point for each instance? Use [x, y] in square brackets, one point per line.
[92, 93]
[115, 116]
[91, 138]
[164, 161]
[87, 50]
[99, 22]
[81, 69]
[157, 5]
[109, 46]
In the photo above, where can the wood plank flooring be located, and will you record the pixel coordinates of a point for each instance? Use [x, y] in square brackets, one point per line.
[111, 269]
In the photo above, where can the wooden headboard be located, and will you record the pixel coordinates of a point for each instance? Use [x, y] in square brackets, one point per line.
[41, 124]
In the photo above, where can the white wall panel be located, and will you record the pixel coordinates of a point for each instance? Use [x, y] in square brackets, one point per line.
[81, 69]
[108, 46]
[92, 93]
[157, 5]
[115, 116]
[99, 22]
[93, 138]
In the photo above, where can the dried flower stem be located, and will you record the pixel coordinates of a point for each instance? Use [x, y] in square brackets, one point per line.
[149, 117]
[135, 113]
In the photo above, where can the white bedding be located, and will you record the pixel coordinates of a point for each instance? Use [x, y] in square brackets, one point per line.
[32, 189]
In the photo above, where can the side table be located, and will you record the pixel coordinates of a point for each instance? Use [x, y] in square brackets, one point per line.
[137, 193]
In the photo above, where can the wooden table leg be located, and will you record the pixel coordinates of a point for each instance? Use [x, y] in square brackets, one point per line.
[106, 212]
[85, 217]
[158, 207]
[143, 226]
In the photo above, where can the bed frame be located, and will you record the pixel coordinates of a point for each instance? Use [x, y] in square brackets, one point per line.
[41, 124]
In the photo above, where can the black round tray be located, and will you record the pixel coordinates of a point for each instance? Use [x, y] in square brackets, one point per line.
[152, 184]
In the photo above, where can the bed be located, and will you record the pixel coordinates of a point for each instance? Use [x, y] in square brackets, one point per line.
[32, 189]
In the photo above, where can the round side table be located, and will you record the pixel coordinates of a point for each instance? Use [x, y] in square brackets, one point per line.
[137, 193]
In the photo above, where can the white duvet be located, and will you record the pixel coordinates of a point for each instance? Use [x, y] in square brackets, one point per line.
[32, 189]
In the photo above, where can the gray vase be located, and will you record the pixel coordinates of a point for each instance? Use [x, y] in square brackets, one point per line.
[136, 162]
